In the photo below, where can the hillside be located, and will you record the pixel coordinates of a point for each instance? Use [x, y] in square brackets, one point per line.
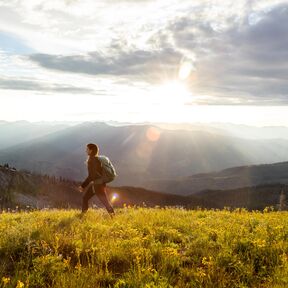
[252, 198]
[231, 178]
[21, 188]
[141, 153]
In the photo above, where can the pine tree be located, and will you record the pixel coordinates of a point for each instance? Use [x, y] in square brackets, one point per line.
[282, 201]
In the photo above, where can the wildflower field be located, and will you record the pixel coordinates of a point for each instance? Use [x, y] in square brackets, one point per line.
[144, 247]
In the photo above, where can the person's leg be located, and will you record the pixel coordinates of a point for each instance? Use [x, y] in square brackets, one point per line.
[100, 191]
[87, 195]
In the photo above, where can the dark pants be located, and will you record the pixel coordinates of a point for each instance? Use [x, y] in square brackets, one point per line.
[100, 191]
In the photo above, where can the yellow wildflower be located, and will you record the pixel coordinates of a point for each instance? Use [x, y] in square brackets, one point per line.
[78, 266]
[5, 280]
[207, 261]
[20, 284]
[201, 272]
[170, 251]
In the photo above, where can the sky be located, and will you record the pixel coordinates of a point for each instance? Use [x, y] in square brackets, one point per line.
[142, 60]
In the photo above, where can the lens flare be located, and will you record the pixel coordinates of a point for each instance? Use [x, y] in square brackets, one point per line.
[115, 196]
[153, 134]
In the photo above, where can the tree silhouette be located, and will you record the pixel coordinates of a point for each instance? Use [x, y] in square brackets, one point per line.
[282, 201]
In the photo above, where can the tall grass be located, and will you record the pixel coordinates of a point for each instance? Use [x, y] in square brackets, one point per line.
[144, 247]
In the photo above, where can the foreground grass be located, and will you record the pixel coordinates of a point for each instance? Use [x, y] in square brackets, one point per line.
[144, 248]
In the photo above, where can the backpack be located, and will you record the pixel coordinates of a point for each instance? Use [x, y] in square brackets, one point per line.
[108, 170]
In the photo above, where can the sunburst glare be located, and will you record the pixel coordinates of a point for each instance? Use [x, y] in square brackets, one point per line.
[171, 94]
[185, 70]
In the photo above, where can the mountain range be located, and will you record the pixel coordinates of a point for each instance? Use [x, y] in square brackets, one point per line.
[13, 133]
[231, 178]
[147, 156]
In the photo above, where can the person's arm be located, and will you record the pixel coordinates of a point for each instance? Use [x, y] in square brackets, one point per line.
[90, 174]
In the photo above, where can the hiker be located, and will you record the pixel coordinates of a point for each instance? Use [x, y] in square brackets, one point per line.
[93, 184]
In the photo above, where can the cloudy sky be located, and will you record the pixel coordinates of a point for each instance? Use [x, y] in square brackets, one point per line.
[141, 60]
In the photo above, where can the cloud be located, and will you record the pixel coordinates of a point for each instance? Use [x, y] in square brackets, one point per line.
[242, 63]
[151, 66]
[36, 86]
[239, 48]
[247, 61]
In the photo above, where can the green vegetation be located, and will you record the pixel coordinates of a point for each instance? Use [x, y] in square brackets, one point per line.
[144, 247]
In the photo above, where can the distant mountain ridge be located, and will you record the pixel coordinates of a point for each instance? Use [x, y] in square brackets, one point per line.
[142, 154]
[231, 178]
[14, 133]
[232, 130]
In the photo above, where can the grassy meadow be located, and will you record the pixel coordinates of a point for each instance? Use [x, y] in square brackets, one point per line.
[144, 247]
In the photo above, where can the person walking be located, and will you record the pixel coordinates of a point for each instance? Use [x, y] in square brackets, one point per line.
[93, 184]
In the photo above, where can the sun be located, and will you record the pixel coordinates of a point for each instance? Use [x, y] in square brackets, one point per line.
[185, 70]
[171, 93]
